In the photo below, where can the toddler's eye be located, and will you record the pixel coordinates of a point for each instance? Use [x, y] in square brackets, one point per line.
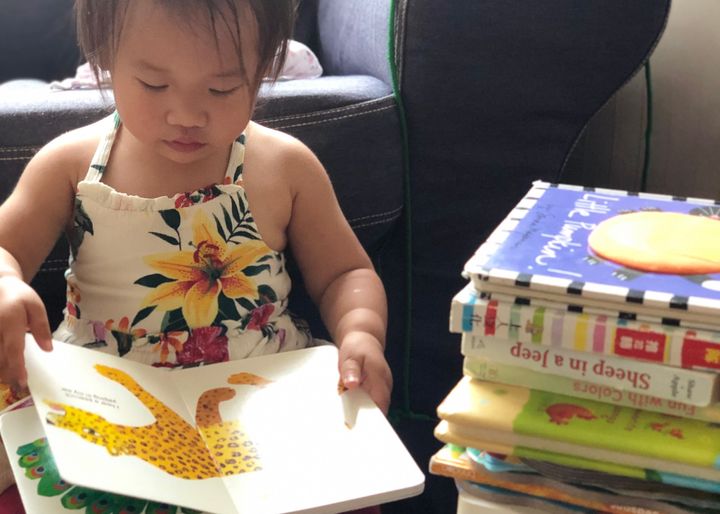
[223, 92]
[152, 87]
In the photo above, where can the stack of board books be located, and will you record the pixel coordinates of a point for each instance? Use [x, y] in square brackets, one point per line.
[268, 434]
[590, 330]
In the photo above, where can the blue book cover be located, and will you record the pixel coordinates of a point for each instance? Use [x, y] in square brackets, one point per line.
[542, 247]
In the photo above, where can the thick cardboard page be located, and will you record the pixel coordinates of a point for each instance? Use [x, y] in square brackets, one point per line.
[275, 425]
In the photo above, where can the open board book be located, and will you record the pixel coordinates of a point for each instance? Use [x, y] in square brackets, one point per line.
[262, 435]
[541, 250]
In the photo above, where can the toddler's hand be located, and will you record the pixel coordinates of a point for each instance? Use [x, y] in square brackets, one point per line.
[362, 363]
[21, 309]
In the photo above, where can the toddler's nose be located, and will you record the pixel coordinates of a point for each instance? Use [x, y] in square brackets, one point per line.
[187, 114]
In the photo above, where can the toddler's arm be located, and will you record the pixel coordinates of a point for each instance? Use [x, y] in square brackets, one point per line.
[340, 277]
[354, 308]
[21, 310]
[31, 220]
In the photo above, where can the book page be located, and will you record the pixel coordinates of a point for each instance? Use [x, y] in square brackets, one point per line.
[21, 430]
[265, 434]
[113, 424]
[279, 431]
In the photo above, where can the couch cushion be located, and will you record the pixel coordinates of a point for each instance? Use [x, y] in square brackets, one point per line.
[37, 38]
[31, 114]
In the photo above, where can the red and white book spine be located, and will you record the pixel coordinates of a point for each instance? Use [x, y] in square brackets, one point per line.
[621, 334]
[688, 386]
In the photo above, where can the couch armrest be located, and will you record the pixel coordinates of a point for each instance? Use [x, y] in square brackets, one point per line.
[353, 37]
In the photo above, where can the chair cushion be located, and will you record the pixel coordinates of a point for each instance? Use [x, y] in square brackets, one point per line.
[37, 38]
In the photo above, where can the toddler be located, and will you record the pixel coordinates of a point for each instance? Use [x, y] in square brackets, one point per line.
[178, 207]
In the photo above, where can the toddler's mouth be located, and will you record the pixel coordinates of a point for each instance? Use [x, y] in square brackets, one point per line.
[184, 145]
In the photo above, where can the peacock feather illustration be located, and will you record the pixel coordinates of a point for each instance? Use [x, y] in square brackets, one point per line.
[37, 460]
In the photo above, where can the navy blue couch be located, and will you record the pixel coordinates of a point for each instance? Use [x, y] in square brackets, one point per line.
[433, 118]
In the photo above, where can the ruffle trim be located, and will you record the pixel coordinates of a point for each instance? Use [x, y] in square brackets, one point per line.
[116, 200]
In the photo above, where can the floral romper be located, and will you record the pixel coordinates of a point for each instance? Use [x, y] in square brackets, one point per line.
[174, 281]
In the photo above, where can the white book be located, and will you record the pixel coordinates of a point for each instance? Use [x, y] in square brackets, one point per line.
[688, 386]
[493, 371]
[620, 333]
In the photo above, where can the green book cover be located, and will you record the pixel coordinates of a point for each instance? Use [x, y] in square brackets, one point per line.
[446, 434]
[614, 427]
[521, 416]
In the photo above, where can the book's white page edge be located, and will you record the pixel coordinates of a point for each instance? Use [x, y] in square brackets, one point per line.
[706, 320]
[66, 375]
[333, 468]
[554, 305]
[610, 297]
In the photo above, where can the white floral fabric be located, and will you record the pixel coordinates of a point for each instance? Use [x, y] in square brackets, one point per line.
[174, 281]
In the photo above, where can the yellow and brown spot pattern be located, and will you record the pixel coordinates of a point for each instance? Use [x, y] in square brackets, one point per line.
[213, 448]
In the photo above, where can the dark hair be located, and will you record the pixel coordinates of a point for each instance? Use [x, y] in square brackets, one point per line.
[100, 22]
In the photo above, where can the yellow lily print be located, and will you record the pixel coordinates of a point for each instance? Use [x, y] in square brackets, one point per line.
[198, 277]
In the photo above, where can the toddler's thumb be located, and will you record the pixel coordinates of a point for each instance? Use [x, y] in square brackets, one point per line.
[350, 372]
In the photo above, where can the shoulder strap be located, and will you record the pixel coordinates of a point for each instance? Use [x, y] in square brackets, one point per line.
[102, 153]
[234, 171]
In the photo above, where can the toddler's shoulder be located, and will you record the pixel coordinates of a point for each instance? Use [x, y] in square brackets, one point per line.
[70, 152]
[281, 151]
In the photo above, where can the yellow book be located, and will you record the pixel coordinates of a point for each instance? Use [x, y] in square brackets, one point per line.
[477, 411]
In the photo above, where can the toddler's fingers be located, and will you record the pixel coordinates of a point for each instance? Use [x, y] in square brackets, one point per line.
[39, 326]
[13, 366]
[382, 400]
[380, 394]
[350, 372]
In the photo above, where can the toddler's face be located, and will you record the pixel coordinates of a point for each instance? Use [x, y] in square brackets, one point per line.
[181, 90]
